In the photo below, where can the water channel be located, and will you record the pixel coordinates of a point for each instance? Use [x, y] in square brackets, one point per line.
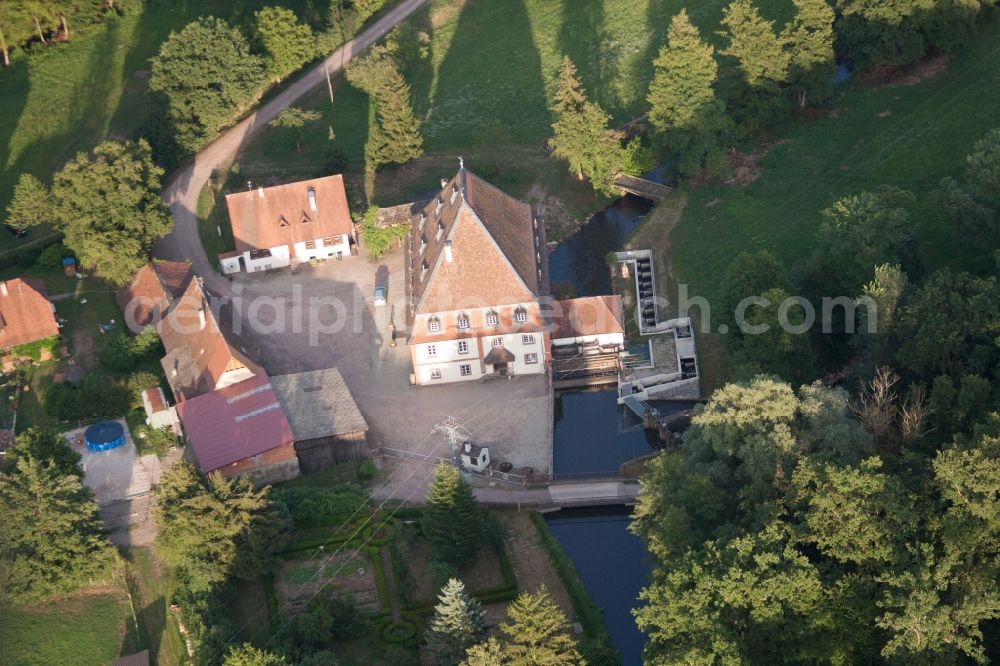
[588, 438]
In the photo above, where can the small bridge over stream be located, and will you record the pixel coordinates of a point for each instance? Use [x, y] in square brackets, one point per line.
[641, 187]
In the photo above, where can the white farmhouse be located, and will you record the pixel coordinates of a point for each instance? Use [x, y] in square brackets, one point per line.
[284, 225]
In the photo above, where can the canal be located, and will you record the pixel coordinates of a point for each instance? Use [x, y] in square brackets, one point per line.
[591, 435]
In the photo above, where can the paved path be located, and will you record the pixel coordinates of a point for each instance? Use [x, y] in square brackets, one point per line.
[583, 493]
[182, 193]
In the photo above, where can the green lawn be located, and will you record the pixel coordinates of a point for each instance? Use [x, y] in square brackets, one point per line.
[482, 92]
[908, 136]
[153, 584]
[66, 97]
[88, 630]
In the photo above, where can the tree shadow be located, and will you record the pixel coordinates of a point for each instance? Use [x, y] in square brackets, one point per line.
[488, 74]
[16, 85]
[584, 38]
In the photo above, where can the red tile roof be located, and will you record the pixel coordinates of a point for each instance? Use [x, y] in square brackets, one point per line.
[154, 287]
[197, 356]
[25, 313]
[282, 215]
[235, 422]
[498, 253]
[157, 401]
[592, 315]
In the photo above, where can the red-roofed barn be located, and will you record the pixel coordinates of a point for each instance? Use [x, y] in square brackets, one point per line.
[26, 314]
[240, 430]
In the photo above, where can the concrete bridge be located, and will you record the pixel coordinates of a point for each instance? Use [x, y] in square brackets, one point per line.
[641, 187]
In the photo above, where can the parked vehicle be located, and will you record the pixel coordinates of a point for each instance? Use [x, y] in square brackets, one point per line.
[380, 293]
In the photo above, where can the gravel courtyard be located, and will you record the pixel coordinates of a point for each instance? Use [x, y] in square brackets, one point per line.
[324, 316]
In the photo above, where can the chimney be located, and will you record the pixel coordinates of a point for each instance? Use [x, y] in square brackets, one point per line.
[3, 288]
[312, 198]
[260, 192]
[201, 318]
[444, 183]
[447, 251]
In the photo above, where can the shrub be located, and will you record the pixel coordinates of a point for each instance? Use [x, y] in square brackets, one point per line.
[52, 256]
[379, 240]
[33, 350]
[440, 573]
[637, 159]
[97, 396]
[366, 470]
[122, 352]
[326, 620]
[140, 381]
[321, 506]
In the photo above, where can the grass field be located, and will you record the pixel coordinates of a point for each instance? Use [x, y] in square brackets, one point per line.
[908, 136]
[482, 92]
[153, 584]
[67, 97]
[89, 629]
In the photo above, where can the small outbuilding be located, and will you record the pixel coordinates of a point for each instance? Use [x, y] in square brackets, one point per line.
[159, 414]
[475, 457]
[328, 426]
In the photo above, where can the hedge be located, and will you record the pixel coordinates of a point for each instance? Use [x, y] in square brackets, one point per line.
[591, 617]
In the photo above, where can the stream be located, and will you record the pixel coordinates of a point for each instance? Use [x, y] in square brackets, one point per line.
[590, 435]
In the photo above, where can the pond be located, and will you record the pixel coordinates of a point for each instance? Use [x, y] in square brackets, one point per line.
[613, 573]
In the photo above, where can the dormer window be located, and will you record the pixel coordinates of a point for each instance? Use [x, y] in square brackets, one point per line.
[423, 218]
[454, 193]
[434, 325]
[437, 209]
[423, 269]
[520, 315]
[440, 231]
[463, 321]
[305, 219]
[423, 243]
[492, 319]
[282, 222]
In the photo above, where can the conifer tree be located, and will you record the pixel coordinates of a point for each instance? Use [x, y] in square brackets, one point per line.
[294, 120]
[211, 529]
[684, 108]
[754, 44]
[47, 446]
[453, 523]
[378, 75]
[809, 40]
[581, 133]
[458, 623]
[51, 539]
[756, 99]
[31, 203]
[537, 632]
[287, 42]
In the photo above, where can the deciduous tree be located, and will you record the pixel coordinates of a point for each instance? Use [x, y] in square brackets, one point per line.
[208, 76]
[109, 207]
[248, 655]
[983, 166]
[295, 119]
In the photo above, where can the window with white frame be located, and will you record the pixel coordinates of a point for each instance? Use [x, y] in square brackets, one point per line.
[432, 350]
[463, 321]
[520, 315]
[434, 325]
[492, 319]
[498, 342]
[463, 347]
[531, 358]
[527, 339]
[465, 369]
[435, 373]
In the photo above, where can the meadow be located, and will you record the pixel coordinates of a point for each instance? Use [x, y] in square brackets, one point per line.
[482, 91]
[89, 628]
[909, 135]
[66, 97]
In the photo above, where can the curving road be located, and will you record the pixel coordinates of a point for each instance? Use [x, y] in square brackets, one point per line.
[182, 193]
